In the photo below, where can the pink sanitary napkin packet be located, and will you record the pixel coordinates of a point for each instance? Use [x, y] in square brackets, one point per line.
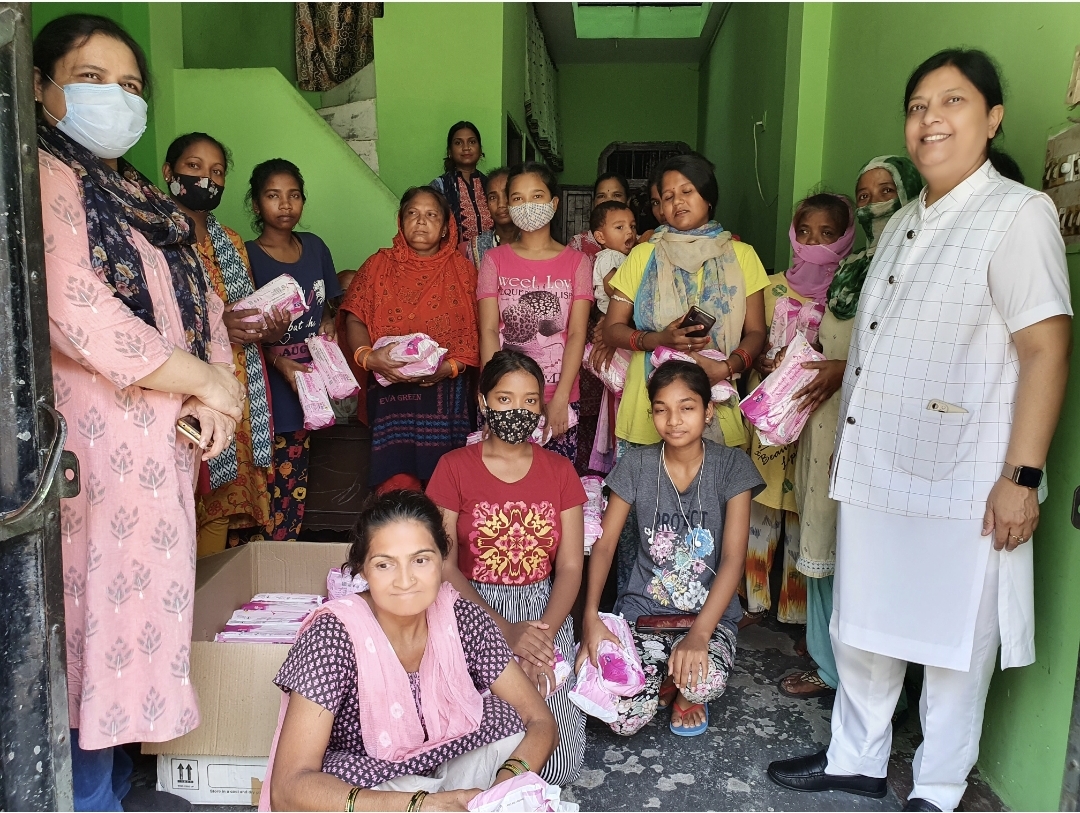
[339, 585]
[305, 599]
[269, 618]
[314, 400]
[422, 355]
[777, 417]
[281, 292]
[562, 669]
[594, 509]
[619, 674]
[525, 792]
[329, 362]
[790, 317]
[613, 374]
[722, 392]
[808, 322]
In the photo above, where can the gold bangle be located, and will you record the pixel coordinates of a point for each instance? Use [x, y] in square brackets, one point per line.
[524, 765]
[350, 803]
[416, 801]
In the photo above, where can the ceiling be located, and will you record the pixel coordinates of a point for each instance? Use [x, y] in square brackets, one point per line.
[565, 47]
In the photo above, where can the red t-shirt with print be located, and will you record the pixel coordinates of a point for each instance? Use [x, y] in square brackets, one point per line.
[508, 533]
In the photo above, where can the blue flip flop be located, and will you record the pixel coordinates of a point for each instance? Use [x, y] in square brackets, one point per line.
[682, 731]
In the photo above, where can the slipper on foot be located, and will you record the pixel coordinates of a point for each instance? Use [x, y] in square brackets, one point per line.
[811, 677]
[683, 731]
[668, 691]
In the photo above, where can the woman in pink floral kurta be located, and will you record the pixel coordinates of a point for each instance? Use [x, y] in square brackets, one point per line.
[129, 537]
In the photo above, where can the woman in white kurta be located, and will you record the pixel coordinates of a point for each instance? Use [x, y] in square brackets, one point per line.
[956, 375]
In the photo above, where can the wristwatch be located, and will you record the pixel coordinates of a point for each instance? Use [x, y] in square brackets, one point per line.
[1026, 476]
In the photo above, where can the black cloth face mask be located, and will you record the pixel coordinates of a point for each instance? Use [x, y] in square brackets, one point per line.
[512, 425]
[195, 192]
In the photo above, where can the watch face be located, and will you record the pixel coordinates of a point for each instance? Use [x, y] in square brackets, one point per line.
[1028, 477]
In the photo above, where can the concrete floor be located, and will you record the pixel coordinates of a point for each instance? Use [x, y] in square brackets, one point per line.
[724, 769]
[750, 726]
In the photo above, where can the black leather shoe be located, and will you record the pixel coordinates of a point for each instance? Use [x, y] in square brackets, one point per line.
[808, 774]
[916, 803]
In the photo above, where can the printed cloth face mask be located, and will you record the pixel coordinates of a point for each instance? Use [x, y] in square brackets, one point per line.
[873, 217]
[512, 425]
[196, 193]
[532, 216]
[105, 119]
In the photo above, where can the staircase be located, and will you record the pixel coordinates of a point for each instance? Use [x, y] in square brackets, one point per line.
[349, 109]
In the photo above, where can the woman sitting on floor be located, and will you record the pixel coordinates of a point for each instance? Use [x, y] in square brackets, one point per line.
[387, 692]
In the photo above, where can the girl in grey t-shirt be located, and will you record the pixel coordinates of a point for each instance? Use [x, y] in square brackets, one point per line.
[693, 507]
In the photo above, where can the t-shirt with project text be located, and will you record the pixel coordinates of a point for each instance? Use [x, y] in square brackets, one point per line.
[681, 533]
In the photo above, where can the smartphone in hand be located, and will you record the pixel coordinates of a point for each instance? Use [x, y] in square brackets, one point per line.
[190, 428]
[696, 316]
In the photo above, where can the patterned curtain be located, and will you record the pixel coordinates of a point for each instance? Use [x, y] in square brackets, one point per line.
[542, 94]
[333, 41]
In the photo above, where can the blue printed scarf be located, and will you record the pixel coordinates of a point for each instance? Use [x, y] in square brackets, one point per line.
[234, 273]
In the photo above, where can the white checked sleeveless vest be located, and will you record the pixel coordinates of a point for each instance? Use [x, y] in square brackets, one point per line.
[926, 330]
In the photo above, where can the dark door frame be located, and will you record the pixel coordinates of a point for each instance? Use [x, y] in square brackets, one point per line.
[35, 471]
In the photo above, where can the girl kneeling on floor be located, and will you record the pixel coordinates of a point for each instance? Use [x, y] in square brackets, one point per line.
[693, 507]
[404, 690]
[513, 512]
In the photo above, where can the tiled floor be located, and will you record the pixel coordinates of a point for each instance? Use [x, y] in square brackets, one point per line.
[724, 769]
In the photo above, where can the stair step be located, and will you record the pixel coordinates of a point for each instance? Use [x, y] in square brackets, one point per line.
[354, 121]
[366, 149]
[359, 86]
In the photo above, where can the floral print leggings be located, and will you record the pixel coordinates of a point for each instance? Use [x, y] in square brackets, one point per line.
[654, 650]
[288, 486]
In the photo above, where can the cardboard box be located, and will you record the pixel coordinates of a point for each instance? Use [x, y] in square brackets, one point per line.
[238, 701]
[212, 780]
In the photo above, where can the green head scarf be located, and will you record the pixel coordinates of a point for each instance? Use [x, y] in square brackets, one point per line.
[843, 296]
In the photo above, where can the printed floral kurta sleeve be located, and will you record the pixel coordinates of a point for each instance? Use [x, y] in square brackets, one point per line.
[129, 536]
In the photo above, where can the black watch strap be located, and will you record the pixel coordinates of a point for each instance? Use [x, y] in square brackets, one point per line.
[1026, 476]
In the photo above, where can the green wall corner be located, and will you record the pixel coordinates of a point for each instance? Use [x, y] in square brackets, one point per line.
[743, 80]
[513, 73]
[597, 107]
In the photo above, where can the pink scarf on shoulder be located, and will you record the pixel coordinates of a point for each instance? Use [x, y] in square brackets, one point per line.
[389, 724]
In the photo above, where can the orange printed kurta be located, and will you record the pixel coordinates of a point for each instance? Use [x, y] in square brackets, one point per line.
[245, 501]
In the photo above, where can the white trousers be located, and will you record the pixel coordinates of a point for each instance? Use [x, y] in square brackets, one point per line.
[473, 769]
[951, 710]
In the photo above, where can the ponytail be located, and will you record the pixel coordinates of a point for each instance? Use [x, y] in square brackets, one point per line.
[1004, 164]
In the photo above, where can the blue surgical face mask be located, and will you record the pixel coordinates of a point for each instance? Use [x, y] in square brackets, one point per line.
[105, 119]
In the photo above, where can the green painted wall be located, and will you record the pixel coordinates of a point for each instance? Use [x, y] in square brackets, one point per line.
[136, 19]
[259, 115]
[242, 35]
[743, 81]
[599, 104]
[805, 100]
[1027, 720]
[421, 93]
[513, 73]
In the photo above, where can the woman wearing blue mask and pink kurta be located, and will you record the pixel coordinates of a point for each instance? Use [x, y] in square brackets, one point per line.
[137, 343]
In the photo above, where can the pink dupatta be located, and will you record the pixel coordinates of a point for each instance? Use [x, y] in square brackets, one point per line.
[389, 724]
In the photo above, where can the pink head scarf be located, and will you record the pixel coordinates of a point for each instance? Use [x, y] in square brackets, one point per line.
[814, 266]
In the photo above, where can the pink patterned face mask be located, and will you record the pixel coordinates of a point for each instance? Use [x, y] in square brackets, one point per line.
[532, 216]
